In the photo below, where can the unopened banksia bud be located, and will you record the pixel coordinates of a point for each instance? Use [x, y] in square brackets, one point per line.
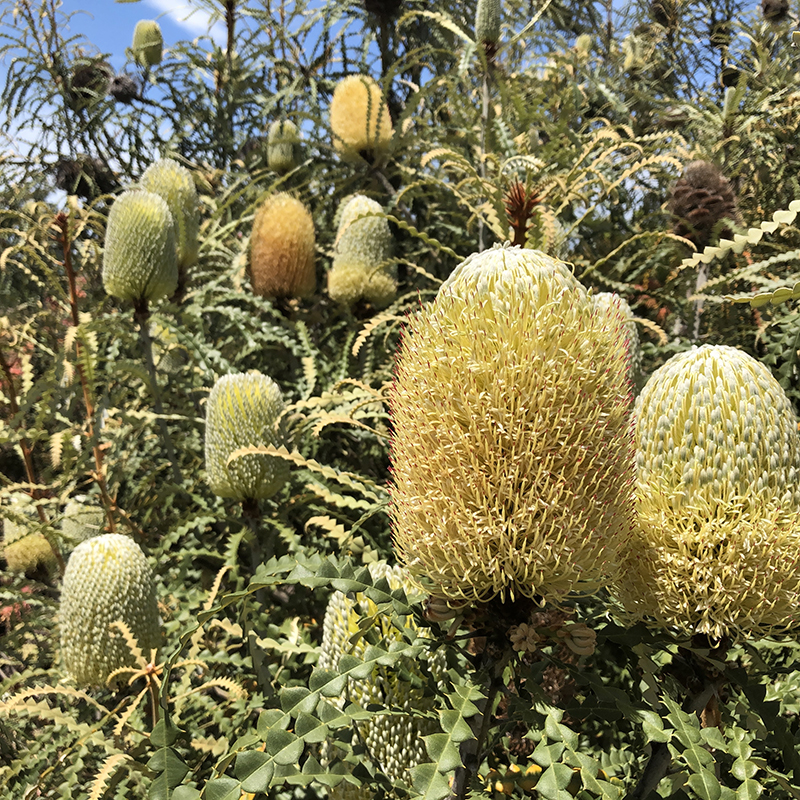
[174, 183]
[718, 500]
[25, 548]
[107, 580]
[282, 249]
[148, 43]
[394, 740]
[360, 118]
[140, 254]
[362, 249]
[283, 146]
[512, 456]
[243, 411]
[487, 24]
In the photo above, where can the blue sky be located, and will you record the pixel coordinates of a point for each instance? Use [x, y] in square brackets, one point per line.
[109, 25]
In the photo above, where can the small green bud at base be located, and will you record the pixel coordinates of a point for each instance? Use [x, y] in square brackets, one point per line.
[140, 254]
[107, 580]
[243, 411]
[148, 43]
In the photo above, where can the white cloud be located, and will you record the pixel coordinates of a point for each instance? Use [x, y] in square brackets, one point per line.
[193, 19]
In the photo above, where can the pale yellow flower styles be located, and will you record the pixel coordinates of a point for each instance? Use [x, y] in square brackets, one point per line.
[282, 248]
[512, 456]
[718, 499]
[360, 118]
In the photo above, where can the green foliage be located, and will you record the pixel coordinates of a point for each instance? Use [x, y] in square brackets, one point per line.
[568, 129]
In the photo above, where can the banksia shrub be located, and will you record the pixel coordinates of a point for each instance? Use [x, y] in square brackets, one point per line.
[393, 740]
[512, 458]
[361, 250]
[174, 183]
[148, 43]
[282, 249]
[243, 411]
[283, 146]
[718, 499]
[25, 549]
[107, 580]
[81, 522]
[700, 199]
[360, 118]
[140, 254]
[603, 300]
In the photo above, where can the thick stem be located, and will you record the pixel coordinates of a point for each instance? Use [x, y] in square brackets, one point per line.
[142, 314]
[484, 126]
[62, 222]
[472, 750]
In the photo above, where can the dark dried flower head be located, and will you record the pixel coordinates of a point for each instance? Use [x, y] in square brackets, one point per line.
[84, 176]
[775, 10]
[124, 88]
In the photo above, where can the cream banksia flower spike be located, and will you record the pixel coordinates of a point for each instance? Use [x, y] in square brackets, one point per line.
[148, 43]
[243, 411]
[140, 259]
[394, 740]
[360, 120]
[174, 183]
[718, 499]
[107, 580]
[512, 457]
[362, 248]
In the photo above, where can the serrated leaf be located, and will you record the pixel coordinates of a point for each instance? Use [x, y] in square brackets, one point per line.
[749, 790]
[429, 782]
[255, 770]
[705, 784]
[298, 700]
[547, 754]
[223, 789]
[442, 751]
[553, 782]
[328, 682]
[284, 747]
[560, 733]
[742, 769]
[453, 723]
[653, 727]
[186, 793]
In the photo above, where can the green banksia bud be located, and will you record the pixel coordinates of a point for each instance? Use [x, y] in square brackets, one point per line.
[243, 411]
[718, 500]
[487, 22]
[283, 146]
[140, 255]
[107, 580]
[25, 549]
[361, 249]
[360, 118]
[282, 248]
[393, 740]
[148, 43]
[603, 300]
[512, 458]
[81, 522]
[173, 182]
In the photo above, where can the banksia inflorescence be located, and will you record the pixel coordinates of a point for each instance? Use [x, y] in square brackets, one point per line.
[603, 300]
[487, 25]
[25, 548]
[394, 740]
[148, 43]
[124, 88]
[360, 121]
[107, 580]
[701, 198]
[361, 266]
[775, 10]
[718, 499]
[520, 203]
[243, 411]
[174, 183]
[89, 82]
[512, 457]
[84, 176]
[140, 254]
[283, 146]
[282, 249]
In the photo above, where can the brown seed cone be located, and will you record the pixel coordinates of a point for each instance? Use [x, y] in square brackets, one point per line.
[775, 10]
[385, 9]
[701, 197]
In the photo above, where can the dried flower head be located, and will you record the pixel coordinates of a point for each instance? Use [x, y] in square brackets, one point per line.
[512, 457]
[718, 499]
[282, 249]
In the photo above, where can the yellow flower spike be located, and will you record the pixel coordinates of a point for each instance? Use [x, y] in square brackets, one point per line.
[360, 118]
[512, 457]
[718, 500]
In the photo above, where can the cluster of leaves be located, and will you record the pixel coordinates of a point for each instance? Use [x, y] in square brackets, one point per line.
[592, 111]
